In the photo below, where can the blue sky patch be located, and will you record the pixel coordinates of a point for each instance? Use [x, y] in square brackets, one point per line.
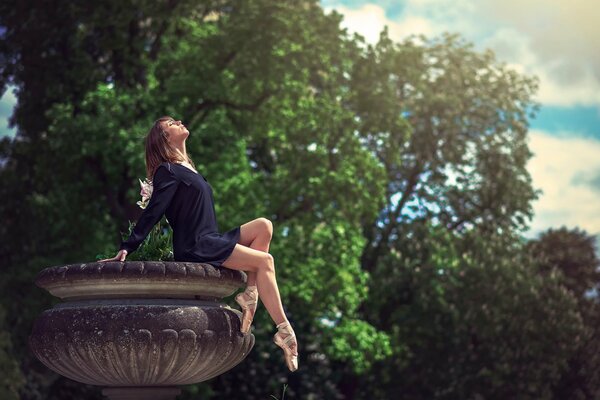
[572, 121]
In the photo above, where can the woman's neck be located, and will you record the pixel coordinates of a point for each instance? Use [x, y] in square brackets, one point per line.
[182, 151]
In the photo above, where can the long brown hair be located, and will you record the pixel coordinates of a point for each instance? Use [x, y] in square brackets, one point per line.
[159, 150]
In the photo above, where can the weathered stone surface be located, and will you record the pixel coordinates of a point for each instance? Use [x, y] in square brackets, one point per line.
[138, 327]
[143, 393]
[140, 344]
[152, 279]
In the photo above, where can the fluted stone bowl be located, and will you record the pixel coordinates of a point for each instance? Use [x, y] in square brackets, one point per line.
[137, 324]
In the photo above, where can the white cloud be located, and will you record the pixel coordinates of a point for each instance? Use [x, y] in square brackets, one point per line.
[562, 168]
[554, 39]
[579, 87]
[370, 19]
[562, 82]
[557, 28]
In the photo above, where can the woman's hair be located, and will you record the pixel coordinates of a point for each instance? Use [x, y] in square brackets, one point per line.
[159, 150]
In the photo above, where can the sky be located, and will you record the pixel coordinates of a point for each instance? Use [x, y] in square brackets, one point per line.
[556, 40]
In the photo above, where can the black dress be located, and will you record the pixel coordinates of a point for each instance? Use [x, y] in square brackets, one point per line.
[186, 198]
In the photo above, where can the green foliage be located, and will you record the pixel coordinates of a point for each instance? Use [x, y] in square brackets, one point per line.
[395, 176]
[158, 245]
[475, 321]
[357, 343]
[569, 253]
[282, 393]
[569, 258]
[11, 377]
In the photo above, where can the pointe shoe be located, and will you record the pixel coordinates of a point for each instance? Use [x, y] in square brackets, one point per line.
[248, 307]
[285, 342]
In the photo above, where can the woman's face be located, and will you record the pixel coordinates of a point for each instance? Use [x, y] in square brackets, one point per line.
[175, 130]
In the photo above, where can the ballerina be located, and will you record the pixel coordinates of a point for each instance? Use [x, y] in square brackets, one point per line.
[185, 196]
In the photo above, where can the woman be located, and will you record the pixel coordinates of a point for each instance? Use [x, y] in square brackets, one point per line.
[186, 198]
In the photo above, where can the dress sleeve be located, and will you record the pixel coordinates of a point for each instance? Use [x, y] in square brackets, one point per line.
[164, 187]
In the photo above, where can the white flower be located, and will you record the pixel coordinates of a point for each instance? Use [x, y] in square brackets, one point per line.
[145, 192]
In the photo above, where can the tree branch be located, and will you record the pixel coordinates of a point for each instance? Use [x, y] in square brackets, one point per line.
[370, 255]
[155, 48]
[115, 200]
[203, 109]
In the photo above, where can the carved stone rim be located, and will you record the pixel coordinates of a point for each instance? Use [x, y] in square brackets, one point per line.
[116, 279]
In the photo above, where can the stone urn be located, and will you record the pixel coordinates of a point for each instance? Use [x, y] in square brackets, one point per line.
[140, 328]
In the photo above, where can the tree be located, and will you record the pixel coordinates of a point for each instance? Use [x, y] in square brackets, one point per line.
[463, 165]
[470, 318]
[570, 253]
[12, 379]
[570, 256]
[394, 174]
[269, 132]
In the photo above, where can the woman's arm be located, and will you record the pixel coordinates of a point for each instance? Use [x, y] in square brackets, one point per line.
[165, 185]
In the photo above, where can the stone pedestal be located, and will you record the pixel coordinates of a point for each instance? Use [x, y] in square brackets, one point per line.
[141, 393]
[140, 328]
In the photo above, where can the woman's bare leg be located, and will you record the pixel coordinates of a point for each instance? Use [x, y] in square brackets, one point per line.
[244, 258]
[256, 234]
[260, 267]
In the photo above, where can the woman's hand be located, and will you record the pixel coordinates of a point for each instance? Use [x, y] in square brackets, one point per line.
[121, 255]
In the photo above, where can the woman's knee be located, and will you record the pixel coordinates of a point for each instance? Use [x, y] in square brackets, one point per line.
[267, 262]
[267, 224]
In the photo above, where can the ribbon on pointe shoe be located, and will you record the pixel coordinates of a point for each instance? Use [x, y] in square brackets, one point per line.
[291, 359]
[248, 306]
